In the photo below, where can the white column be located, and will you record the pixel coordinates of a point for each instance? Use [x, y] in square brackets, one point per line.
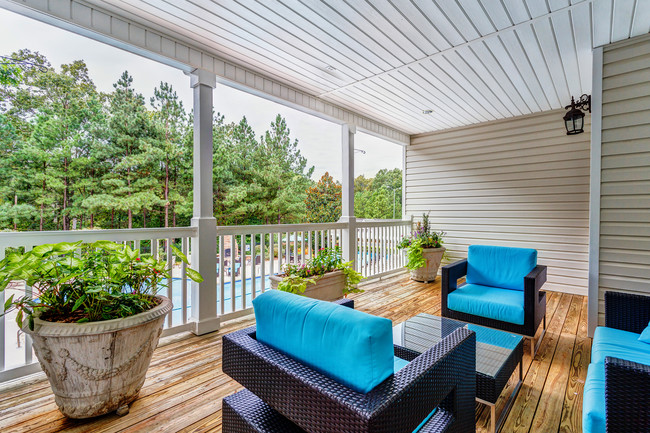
[204, 245]
[347, 208]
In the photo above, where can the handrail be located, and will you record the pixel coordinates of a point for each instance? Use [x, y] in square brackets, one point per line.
[277, 228]
[36, 238]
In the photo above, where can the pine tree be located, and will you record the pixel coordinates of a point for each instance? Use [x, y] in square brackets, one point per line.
[323, 200]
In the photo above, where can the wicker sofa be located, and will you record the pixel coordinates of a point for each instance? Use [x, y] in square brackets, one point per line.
[617, 389]
[286, 395]
[502, 290]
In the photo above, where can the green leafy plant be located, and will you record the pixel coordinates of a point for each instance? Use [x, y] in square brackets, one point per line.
[419, 239]
[297, 277]
[78, 282]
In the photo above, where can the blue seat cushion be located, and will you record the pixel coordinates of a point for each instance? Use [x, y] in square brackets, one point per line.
[491, 302]
[593, 403]
[399, 363]
[618, 344]
[502, 267]
[645, 335]
[351, 347]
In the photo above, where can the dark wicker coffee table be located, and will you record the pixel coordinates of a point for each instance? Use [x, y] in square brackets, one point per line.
[497, 355]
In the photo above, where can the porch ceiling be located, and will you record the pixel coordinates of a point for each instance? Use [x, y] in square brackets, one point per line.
[466, 60]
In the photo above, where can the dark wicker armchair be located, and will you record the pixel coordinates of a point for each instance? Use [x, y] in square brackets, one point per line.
[284, 395]
[627, 384]
[534, 301]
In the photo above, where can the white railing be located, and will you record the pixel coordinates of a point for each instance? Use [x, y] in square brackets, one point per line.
[246, 257]
[377, 251]
[16, 353]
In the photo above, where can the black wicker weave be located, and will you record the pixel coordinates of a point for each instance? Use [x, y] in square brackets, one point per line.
[534, 300]
[443, 377]
[627, 312]
[627, 384]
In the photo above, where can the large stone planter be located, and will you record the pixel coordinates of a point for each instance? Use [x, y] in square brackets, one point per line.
[328, 287]
[428, 272]
[98, 367]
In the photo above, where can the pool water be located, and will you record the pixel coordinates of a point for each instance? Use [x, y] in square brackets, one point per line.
[177, 300]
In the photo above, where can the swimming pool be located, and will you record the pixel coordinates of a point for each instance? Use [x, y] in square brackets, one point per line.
[177, 300]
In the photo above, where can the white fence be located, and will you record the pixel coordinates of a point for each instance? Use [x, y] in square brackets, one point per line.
[246, 257]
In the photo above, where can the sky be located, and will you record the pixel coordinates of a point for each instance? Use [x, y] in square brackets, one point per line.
[319, 140]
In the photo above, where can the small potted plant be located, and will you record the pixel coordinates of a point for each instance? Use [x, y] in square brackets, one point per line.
[324, 277]
[424, 251]
[95, 319]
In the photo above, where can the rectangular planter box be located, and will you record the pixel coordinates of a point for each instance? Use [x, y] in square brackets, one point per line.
[329, 287]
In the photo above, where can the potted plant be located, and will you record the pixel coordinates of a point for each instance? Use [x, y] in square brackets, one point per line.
[424, 251]
[324, 277]
[95, 319]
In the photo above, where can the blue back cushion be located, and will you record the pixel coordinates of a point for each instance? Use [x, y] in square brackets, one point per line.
[351, 347]
[502, 267]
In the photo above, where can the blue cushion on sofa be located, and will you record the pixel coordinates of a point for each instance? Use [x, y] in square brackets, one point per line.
[593, 405]
[502, 267]
[351, 347]
[618, 344]
[491, 302]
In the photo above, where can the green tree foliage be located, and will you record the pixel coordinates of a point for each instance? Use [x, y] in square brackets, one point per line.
[323, 201]
[379, 197]
[72, 157]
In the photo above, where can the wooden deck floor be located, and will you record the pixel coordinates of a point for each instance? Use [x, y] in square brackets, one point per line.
[185, 384]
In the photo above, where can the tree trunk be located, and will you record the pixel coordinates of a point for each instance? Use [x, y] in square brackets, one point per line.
[64, 217]
[144, 218]
[92, 220]
[15, 219]
[167, 192]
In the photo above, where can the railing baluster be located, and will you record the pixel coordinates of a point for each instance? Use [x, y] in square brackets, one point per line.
[280, 252]
[28, 338]
[242, 267]
[2, 320]
[222, 274]
[183, 280]
[295, 248]
[302, 247]
[263, 261]
[233, 257]
[170, 280]
[253, 265]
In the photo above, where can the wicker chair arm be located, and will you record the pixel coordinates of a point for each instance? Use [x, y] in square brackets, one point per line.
[626, 311]
[627, 395]
[319, 404]
[345, 302]
[450, 275]
[532, 283]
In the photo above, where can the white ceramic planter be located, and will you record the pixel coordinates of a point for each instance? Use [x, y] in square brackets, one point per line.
[429, 272]
[98, 367]
[329, 287]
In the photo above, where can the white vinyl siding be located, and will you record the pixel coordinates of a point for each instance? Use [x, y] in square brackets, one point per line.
[625, 170]
[520, 182]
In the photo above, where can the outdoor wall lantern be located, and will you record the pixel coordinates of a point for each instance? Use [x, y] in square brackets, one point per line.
[574, 119]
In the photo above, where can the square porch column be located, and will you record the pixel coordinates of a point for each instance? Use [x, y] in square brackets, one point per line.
[204, 244]
[347, 207]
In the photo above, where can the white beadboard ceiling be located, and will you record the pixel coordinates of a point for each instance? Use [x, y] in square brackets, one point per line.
[468, 61]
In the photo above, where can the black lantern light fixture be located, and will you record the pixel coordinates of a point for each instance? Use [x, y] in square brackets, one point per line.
[574, 119]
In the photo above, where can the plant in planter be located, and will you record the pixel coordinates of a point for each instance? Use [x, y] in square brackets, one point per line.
[424, 251]
[324, 277]
[95, 319]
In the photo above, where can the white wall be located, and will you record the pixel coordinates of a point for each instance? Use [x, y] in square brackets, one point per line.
[624, 235]
[519, 182]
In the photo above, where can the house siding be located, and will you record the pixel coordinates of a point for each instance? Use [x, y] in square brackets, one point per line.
[624, 252]
[520, 182]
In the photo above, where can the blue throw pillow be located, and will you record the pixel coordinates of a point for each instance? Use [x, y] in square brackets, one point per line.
[645, 335]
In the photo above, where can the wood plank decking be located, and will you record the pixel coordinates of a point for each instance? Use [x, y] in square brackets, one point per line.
[185, 384]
